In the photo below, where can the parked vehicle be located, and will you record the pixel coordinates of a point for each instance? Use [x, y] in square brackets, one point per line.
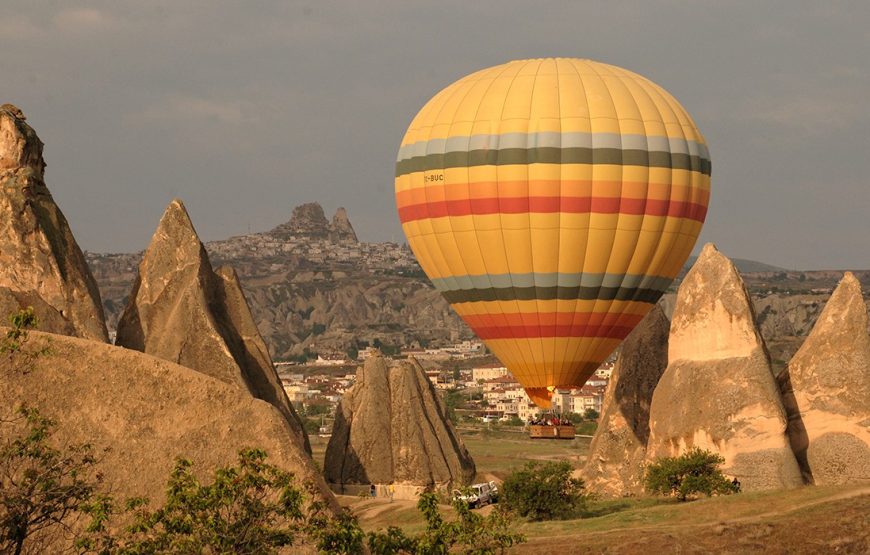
[493, 491]
[477, 495]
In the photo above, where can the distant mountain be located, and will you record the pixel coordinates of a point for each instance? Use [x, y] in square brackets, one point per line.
[743, 266]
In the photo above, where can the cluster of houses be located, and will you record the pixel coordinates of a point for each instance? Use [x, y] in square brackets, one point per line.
[492, 394]
[317, 251]
[506, 399]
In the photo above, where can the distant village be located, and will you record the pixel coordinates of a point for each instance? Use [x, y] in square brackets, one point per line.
[314, 252]
[490, 393]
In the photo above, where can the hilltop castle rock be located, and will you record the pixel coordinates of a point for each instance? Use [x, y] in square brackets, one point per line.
[826, 388]
[308, 220]
[182, 311]
[140, 412]
[614, 467]
[41, 264]
[718, 391]
[391, 427]
[341, 228]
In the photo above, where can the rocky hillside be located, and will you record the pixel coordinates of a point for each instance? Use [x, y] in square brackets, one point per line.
[313, 286]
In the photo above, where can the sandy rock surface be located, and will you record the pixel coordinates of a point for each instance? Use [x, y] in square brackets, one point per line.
[182, 311]
[718, 391]
[614, 466]
[147, 411]
[391, 427]
[41, 264]
[826, 388]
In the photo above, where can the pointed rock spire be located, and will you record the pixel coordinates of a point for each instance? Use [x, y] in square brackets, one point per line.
[718, 391]
[41, 265]
[616, 456]
[826, 388]
[251, 352]
[182, 311]
[391, 427]
[340, 228]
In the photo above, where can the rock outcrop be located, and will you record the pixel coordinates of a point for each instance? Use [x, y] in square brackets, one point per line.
[41, 264]
[826, 388]
[391, 427]
[309, 222]
[718, 392]
[182, 311]
[341, 230]
[147, 411]
[614, 467]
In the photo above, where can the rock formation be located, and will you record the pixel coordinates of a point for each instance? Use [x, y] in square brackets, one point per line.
[147, 411]
[615, 464]
[341, 230]
[309, 222]
[391, 427]
[718, 392]
[41, 264]
[182, 311]
[826, 388]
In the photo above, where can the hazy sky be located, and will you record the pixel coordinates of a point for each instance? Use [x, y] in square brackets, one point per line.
[245, 109]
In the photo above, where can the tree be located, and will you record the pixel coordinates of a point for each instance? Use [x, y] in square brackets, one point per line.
[13, 344]
[544, 491]
[41, 488]
[470, 533]
[693, 472]
[590, 414]
[252, 507]
[453, 399]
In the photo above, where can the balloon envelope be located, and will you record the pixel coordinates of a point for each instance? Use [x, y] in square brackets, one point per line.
[552, 202]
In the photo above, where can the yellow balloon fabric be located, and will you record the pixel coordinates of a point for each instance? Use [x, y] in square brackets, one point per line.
[552, 202]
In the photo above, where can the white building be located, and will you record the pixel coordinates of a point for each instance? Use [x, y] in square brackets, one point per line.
[488, 373]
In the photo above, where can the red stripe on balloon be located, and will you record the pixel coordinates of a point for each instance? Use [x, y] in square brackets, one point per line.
[515, 332]
[555, 319]
[545, 205]
[553, 324]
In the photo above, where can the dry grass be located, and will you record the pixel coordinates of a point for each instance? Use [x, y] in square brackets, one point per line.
[804, 520]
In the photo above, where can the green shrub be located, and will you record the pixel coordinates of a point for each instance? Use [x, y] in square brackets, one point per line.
[470, 533]
[544, 491]
[41, 488]
[694, 472]
[252, 507]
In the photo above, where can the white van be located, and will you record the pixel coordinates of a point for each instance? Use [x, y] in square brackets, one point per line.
[480, 495]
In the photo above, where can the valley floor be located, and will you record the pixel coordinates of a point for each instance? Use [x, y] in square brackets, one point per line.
[813, 519]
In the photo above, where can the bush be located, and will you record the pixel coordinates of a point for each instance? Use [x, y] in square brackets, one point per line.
[696, 471]
[41, 488]
[544, 491]
[470, 533]
[252, 507]
[19, 358]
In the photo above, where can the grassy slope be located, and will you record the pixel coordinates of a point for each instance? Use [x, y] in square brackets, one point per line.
[804, 520]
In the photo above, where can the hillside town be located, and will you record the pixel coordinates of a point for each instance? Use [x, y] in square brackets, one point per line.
[489, 393]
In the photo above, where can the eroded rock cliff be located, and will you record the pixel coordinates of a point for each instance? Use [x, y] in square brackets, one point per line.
[718, 391]
[391, 427]
[826, 388]
[614, 466]
[140, 412]
[41, 264]
[182, 311]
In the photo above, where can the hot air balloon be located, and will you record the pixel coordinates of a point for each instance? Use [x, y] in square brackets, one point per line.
[552, 202]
